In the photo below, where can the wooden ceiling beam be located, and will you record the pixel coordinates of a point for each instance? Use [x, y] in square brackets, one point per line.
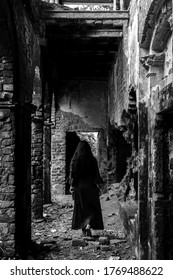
[55, 15]
[96, 33]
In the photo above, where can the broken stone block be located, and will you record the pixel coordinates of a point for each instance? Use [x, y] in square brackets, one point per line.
[8, 87]
[4, 114]
[79, 242]
[104, 247]
[114, 258]
[7, 66]
[53, 230]
[7, 59]
[67, 238]
[127, 211]
[104, 240]
[88, 238]
[117, 241]
[8, 95]
[94, 246]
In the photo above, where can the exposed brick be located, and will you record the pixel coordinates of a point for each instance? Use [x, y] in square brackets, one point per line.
[8, 87]
[7, 59]
[7, 80]
[105, 247]
[7, 73]
[7, 66]
[104, 240]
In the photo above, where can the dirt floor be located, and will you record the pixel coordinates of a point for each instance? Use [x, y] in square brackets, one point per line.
[53, 238]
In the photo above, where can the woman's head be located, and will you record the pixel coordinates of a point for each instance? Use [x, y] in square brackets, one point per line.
[83, 149]
[82, 161]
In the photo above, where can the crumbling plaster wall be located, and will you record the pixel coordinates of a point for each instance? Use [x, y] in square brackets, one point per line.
[125, 71]
[118, 99]
[133, 44]
[155, 96]
[154, 92]
[124, 75]
[81, 107]
[168, 64]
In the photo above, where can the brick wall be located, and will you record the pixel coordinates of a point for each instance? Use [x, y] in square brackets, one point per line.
[7, 141]
[7, 183]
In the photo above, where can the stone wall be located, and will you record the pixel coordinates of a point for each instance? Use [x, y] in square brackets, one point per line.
[150, 79]
[18, 49]
[7, 181]
[133, 45]
[7, 142]
[47, 100]
[27, 58]
[118, 82]
[81, 107]
[117, 90]
[123, 86]
[153, 162]
[37, 168]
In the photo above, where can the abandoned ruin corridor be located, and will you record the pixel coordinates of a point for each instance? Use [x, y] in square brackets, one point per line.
[100, 71]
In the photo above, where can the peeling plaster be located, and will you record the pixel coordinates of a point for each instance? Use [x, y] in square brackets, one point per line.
[142, 157]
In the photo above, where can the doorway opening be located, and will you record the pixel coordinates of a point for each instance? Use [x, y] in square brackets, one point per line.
[72, 140]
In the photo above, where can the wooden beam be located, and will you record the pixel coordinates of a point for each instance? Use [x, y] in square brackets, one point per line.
[53, 15]
[102, 33]
[83, 2]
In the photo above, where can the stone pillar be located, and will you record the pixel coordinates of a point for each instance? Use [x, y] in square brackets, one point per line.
[23, 179]
[161, 240]
[37, 166]
[143, 182]
[47, 145]
[7, 179]
[156, 198]
[7, 149]
[47, 163]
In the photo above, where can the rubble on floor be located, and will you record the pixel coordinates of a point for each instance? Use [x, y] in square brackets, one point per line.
[53, 238]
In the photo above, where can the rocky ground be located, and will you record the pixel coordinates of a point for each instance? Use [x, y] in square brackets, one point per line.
[53, 238]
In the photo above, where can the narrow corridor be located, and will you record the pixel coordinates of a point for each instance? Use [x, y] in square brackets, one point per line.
[54, 239]
[100, 72]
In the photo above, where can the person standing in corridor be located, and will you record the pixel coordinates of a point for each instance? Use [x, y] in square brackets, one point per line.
[85, 179]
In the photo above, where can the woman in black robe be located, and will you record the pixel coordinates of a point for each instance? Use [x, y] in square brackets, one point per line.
[85, 179]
